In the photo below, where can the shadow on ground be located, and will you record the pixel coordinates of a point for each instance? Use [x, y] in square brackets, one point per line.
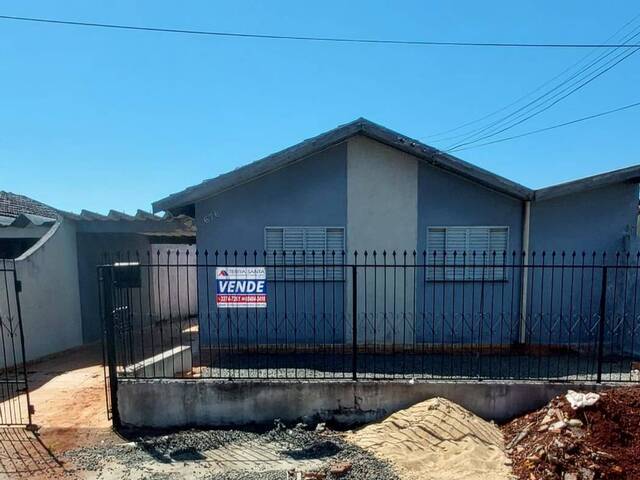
[24, 455]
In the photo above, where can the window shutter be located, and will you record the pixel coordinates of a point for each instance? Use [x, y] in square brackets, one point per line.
[479, 243]
[478, 253]
[293, 242]
[436, 244]
[498, 241]
[308, 240]
[274, 242]
[456, 241]
[335, 243]
[316, 243]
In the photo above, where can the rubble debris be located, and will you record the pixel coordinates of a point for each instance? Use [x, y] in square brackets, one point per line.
[314, 476]
[518, 438]
[340, 469]
[598, 439]
[581, 400]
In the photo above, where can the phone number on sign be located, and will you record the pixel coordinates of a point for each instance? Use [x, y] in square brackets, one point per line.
[241, 298]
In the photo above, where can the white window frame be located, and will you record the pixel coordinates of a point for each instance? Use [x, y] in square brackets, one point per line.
[447, 271]
[313, 264]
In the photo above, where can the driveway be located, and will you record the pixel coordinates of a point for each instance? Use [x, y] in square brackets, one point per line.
[67, 391]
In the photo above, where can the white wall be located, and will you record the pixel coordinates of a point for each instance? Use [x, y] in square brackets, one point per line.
[382, 214]
[50, 297]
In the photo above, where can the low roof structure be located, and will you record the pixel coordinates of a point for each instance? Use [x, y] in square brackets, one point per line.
[21, 216]
[182, 202]
[143, 222]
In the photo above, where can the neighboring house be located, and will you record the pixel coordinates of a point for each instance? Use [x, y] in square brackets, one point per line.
[364, 187]
[56, 254]
[22, 222]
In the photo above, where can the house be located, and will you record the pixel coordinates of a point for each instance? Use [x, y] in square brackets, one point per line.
[387, 191]
[362, 187]
[55, 255]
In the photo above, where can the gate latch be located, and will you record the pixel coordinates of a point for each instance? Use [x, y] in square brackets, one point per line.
[18, 286]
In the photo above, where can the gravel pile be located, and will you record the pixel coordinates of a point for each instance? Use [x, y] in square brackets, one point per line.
[297, 444]
[561, 366]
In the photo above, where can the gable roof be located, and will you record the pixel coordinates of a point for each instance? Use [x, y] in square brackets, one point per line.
[328, 139]
[180, 201]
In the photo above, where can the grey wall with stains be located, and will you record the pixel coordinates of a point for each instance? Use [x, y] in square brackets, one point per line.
[595, 220]
[448, 200]
[92, 248]
[387, 200]
[564, 304]
[308, 193]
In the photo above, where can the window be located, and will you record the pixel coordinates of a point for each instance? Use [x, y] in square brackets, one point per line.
[310, 240]
[484, 241]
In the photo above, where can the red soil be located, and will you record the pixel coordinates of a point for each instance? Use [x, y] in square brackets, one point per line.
[605, 446]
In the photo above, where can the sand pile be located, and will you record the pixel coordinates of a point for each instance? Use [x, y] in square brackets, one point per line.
[437, 440]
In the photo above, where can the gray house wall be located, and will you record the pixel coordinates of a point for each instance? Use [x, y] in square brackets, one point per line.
[308, 193]
[445, 199]
[594, 220]
[387, 199]
[91, 250]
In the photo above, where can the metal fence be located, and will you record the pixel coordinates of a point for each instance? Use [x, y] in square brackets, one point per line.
[552, 316]
[14, 393]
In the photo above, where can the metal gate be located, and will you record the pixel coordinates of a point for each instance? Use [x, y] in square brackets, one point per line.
[15, 408]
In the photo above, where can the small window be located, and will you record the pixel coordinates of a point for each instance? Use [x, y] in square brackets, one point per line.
[313, 241]
[474, 249]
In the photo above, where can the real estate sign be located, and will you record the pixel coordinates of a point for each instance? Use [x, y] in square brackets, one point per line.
[241, 287]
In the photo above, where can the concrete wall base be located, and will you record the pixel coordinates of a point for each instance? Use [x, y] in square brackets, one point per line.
[166, 403]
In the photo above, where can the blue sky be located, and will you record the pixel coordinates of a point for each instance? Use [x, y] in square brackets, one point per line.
[102, 119]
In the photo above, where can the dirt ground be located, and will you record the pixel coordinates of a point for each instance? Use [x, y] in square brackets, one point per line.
[75, 439]
[67, 391]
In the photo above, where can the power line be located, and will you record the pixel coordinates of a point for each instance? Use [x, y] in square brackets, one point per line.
[318, 38]
[534, 114]
[476, 134]
[537, 89]
[540, 130]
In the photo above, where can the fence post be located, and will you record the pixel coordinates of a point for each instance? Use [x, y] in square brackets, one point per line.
[106, 280]
[354, 322]
[603, 308]
[17, 285]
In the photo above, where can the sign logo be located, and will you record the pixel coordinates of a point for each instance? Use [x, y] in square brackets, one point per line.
[241, 287]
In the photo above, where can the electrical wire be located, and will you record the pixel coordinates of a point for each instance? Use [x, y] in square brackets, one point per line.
[315, 38]
[433, 137]
[571, 92]
[540, 100]
[540, 130]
